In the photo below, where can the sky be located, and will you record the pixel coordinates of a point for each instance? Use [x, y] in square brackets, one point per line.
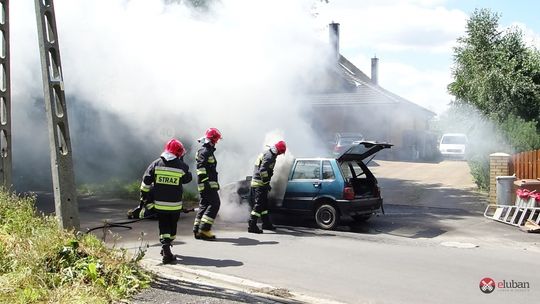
[413, 39]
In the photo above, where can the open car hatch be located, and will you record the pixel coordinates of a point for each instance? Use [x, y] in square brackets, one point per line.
[362, 150]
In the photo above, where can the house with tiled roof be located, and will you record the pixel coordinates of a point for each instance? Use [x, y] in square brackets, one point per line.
[347, 100]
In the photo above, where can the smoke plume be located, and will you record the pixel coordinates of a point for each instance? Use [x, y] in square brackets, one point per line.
[138, 72]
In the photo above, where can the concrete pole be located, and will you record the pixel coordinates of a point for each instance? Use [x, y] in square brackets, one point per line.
[65, 198]
[5, 98]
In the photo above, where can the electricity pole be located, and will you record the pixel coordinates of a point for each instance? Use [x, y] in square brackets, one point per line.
[65, 198]
[5, 98]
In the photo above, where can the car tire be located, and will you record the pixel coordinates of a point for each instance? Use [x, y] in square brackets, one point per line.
[361, 218]
[327, 217]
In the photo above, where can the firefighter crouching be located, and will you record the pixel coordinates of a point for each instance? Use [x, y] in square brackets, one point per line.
[208, 186]
[260, 186]
[161, 189]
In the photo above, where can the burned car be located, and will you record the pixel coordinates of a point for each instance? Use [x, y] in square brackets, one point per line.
[327, 188]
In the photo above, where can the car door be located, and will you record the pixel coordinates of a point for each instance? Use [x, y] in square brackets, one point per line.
[303, 185]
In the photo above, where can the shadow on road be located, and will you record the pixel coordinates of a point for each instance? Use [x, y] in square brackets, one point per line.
[409, 193]
[163, 290]
[412, 210]
[198, 261]
[299, 232]
[242, 241]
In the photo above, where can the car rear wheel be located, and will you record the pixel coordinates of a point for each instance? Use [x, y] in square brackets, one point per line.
[327, 217]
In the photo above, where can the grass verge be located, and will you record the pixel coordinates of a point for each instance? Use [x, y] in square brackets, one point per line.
[41, 263]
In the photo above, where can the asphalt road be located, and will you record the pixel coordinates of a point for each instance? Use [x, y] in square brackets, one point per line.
[432, 246]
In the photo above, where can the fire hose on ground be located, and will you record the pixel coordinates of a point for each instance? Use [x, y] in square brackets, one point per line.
[124, 224]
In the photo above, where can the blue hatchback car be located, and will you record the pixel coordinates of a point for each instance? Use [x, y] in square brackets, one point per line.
[330, 188]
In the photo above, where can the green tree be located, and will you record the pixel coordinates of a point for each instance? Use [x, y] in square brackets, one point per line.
[496, 73]
[495, 70]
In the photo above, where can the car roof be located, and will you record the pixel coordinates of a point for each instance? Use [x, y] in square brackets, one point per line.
[315, 158]
[453, 134]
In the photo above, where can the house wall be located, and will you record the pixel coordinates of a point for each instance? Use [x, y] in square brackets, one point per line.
[383, 123]
[499, 165]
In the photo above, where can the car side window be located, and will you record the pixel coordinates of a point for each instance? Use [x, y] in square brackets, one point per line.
[307, 169]
[327, 171]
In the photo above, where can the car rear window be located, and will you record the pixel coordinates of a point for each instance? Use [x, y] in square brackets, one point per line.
[307, 169]
[346, 169]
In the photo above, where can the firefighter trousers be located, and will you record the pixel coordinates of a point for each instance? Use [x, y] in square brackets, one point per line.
[208, 210]
[260, 204]
[167, 221]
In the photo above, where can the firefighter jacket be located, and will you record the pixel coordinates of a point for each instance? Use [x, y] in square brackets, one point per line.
[161, 187]
[207, 176]
[264, 169]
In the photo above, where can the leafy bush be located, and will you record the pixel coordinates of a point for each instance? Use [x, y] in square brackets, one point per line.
[510, 136]
[116, 188]
[521, 134]
[112, 188]
[190, 196]
[479, 166]
[41, 263]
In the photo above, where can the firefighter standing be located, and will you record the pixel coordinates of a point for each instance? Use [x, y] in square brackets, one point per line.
[260, 186]
[161, 189]
[208, 186]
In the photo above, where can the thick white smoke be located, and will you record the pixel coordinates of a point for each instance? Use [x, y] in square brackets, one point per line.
[163, 69]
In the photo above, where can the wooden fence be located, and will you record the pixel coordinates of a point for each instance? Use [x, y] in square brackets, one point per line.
[526, 165]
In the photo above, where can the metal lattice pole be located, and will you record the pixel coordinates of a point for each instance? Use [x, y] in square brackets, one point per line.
[65, 198]
[5, 98]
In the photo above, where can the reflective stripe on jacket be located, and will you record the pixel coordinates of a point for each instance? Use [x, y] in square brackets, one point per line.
[207, 176]
[264, 169]
[164, 179]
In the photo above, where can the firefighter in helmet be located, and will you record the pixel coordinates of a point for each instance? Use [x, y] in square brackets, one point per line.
[208, 186]
[161, 189]
[260, 186]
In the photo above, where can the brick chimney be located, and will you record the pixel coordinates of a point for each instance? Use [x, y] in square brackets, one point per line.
[334, 38]
[375, 70]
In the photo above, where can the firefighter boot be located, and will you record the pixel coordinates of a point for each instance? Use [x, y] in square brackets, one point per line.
[196, 233]
[252, 228]
[267, 223]
[206, 235]
[168, 257]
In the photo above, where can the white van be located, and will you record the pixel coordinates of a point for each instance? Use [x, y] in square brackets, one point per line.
[453, 145]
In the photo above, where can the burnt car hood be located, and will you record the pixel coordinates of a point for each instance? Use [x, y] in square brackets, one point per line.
[362, 150]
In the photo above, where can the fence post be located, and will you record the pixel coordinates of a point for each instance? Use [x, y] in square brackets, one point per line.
[499, 165]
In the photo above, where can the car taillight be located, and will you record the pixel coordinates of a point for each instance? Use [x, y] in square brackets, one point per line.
[348, 193]
[377, 191]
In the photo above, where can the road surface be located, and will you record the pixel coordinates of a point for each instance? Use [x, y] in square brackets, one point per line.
[432, 246]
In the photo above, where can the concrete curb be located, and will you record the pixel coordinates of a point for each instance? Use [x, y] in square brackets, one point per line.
[262, 291]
